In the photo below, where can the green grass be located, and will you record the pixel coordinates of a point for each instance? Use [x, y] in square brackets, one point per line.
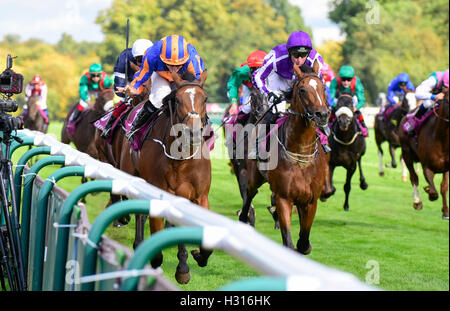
[411, 247]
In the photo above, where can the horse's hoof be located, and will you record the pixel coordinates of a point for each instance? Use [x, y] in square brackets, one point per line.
[305, 252]
[388, 165]
[404, 178]
[363, 185]
[381, 174]
[433, 196]
[418, 206]
[199, 258]
[346, 208]
[122, 221]
[445, 217]
[394, 165]
[183, 278]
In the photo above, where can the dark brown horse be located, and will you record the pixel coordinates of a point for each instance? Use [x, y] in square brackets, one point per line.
[430, 148]
[347, 145]
[34, 119]
[301, 164]
[179, 165]
[84, 135]
[388, 130]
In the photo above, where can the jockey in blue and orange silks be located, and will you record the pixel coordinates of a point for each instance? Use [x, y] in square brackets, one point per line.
[170, 54]
[277, 76]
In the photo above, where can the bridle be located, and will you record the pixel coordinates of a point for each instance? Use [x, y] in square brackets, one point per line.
[305, 115]
[191, 114]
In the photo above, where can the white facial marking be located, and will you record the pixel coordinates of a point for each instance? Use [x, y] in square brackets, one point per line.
[313, 83]
[191, 92]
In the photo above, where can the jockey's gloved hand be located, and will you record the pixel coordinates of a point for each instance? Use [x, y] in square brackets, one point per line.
[275, 97]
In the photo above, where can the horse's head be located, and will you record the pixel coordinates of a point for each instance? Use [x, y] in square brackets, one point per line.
[104, 101]
[308, 97]
[409, 101]
[33, 107]
[190, 102]
[344, 111]
[258, 102]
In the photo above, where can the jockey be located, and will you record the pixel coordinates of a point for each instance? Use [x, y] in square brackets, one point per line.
[328, 76]
[430, 91]
[348, 82]
[170, 54]
[131, 58]
[91, 83]
[243, 75]
[39, 88]
[276, 75]
[396, 88]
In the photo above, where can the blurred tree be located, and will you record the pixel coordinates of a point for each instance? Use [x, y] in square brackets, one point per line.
[223, 32]
[331, 52]
[408, 36]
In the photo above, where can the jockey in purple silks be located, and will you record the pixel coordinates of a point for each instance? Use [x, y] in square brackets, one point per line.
[277, 75]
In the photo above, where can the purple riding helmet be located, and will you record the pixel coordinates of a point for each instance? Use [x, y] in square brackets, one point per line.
[299, 40]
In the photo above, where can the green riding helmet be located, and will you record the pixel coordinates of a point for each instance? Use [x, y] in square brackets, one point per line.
[346, 72]
[95, 67]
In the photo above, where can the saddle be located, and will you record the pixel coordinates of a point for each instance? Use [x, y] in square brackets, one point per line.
[414, 124]
[101, 123]
[72, 125]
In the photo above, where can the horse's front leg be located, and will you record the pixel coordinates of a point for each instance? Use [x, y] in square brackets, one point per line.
[444, 189]
[407, 157]
[362, 181]
[392, 152]
[431, 188]
[201, 256]
[306, 214]
[284, 211]
[348, 184]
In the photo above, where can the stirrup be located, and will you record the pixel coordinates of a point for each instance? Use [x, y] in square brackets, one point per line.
[326, 148]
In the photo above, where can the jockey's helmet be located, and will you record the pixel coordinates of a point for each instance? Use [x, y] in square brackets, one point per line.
[256, 59]
[299, 41]
[403, 77]
[445, 78]
[36, 79]
[327, 73]
[140, 46]
[174, 50]
[346, 72]
[95, 68]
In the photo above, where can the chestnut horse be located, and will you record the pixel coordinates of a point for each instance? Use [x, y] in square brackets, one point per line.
[184, 172]
[388, 130]
[34, 119]
[299, 176]
[84, 135]
[347, 145]
[430, 148]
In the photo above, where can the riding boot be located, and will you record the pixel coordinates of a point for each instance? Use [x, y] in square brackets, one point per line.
[107, 130]
[410, 124]
[75, 116]
[144, 114]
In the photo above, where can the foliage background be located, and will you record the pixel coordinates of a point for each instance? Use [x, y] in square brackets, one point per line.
[410, 36]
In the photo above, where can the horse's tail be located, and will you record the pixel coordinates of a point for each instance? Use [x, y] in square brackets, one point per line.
[65, 139]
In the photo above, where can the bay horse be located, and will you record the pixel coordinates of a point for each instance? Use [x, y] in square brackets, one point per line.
[238, 147]
[184, 172]
[299, 176]
[84, 135]
[388, 130]
[34, 119]
[347, 145]
[430, 148]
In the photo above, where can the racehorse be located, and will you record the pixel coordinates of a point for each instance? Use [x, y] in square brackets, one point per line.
[238, 147]
[388, 129]
[34, 119]
[430, 148]
[347, 145]
[84, 135]
[187, 173]
[299, 176]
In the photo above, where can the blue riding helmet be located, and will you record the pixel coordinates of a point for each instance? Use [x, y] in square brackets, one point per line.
[403, 77]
